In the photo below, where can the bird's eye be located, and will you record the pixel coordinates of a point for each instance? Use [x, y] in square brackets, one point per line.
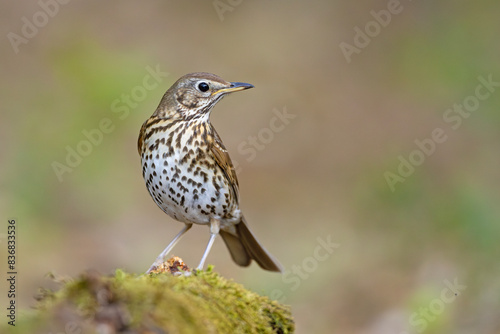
[203, 86]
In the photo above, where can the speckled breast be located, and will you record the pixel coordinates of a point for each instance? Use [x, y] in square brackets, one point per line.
[183, 178]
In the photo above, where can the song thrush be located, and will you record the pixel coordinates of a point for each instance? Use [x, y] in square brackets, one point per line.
[188, 171]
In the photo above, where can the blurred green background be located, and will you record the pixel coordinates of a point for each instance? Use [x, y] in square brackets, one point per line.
[321, 176]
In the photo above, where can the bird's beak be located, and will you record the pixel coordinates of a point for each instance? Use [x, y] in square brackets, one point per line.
[235, 86]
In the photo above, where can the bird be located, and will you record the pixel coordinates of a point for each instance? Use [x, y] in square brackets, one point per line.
[188, 171]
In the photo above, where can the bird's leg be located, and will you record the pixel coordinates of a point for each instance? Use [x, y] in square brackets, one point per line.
[159, 259]
[214, 231]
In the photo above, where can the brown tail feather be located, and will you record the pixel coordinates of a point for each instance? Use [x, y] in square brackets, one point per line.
[236, 249]
[245, 247]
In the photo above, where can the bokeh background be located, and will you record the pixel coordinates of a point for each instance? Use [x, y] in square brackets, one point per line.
[319, 177]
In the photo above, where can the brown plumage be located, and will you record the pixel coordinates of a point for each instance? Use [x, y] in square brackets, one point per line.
[189, 173]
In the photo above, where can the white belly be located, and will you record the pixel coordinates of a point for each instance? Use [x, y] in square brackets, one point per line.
[193, 196]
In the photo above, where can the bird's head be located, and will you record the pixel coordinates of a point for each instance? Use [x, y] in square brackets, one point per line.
[195, 94]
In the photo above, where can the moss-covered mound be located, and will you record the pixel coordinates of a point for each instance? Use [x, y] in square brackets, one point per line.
[203, 302]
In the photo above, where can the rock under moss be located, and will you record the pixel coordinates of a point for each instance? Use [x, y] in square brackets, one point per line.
[203, 302]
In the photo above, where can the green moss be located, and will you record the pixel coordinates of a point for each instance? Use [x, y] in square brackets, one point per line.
[160, 303]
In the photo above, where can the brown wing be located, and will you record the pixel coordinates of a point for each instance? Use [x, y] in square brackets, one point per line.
[224, 161]
[140, 140]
